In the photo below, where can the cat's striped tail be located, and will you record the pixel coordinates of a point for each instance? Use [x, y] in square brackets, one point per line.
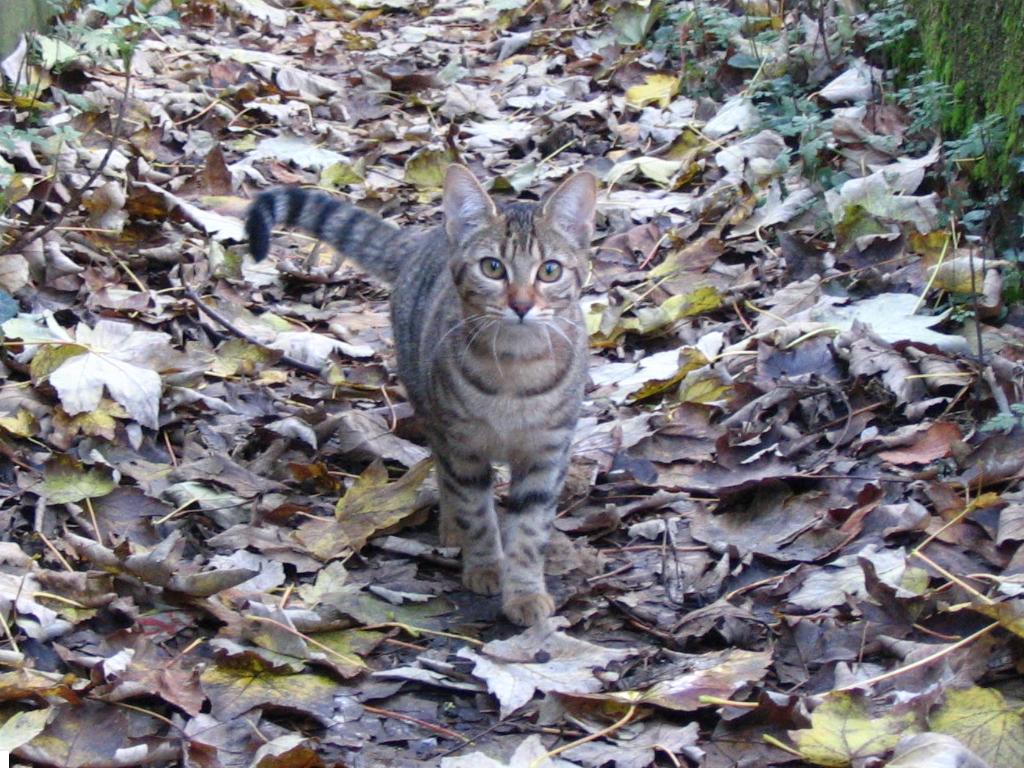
[359, 235]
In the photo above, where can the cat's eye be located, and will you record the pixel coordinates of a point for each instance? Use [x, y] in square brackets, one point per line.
[549, 271]
[492, 268]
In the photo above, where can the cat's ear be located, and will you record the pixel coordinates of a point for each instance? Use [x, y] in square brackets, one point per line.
[467, 207]
[569, 210]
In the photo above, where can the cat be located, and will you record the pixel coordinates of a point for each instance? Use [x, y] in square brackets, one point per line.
[492, 351]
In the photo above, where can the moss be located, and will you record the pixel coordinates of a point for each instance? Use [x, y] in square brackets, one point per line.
[20, 16]
[978, 48]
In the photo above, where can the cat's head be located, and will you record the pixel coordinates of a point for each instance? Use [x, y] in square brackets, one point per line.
[522, 264]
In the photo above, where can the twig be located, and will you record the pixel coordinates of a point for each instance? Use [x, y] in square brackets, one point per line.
[218, 318]
[414, 631]
[621, 722]
[92, 518]
[55, 551]
[997, 392]
[440, 730]
[7, 632]
[935, 274]
[952, 577]
[355, 660]
[920, 662]
[489, 729]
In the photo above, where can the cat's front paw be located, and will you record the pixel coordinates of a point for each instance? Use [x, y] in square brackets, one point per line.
[528, 608]
[448, 532]
[482, 579]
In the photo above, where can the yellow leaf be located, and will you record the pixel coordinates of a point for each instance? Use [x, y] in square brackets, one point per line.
[66, 481]
[239, 683]
[1009, 614]
[236, 356]
[426, 168]
[706, 298]
[930, 245]
[50, 357]
[984, 723]
[338, 175]
[21, 424]
[101, 422]
[372, 504]
[843, 730]
[656, 88]
[955, 275]
[705, 389]
[663, 172]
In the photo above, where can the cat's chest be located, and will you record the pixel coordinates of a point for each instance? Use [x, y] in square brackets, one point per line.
[496, 406]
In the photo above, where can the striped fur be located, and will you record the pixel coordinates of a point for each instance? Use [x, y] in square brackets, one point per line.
[493, 364]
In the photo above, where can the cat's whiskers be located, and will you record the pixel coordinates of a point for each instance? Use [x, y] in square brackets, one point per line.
[453, 329]
[482, 328]
[494, 349]
[560, 332]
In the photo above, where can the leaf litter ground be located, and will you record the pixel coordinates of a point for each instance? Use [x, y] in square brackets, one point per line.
[784, 539]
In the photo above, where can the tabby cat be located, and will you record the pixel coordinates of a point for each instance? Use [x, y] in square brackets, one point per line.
[492, 351]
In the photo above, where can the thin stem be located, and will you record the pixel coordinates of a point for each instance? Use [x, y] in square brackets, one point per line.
[440, 730]
[920, 662]
[325, 648]
[217, 317]
[621, 722]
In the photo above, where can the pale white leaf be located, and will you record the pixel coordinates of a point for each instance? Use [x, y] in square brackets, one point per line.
[116, 359]
[855, 84]
[934, 750]
[531, 753]
[217, 226]
[892, 317]
[295, 149]
[512, 673]
[315, 348]
[258, 9]
[737, 114]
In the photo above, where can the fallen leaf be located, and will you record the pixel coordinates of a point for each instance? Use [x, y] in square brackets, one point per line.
[540, 659]
[984, 723]
[716, 675]
[933, 750]
[372, 504]
[638, 751]
[21, 728]
[936, 443]
[95, 733]
[117, 358]
[530, 753]
[844, 730]
[66, 481]
[659, 89]
[241, 682]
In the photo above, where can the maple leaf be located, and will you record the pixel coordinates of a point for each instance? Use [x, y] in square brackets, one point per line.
[114, 357]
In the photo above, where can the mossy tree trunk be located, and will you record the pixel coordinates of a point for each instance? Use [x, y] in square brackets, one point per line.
[18, 16]
[977, 48]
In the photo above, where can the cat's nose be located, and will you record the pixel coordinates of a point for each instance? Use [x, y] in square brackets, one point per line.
[520, 306]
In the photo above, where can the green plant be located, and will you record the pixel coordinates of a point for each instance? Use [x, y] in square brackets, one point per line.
[888, 24]
[105, 32]
[1005, 422]
[927, 103]
[705, 29]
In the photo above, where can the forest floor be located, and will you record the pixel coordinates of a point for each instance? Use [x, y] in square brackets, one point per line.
[791, 533]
